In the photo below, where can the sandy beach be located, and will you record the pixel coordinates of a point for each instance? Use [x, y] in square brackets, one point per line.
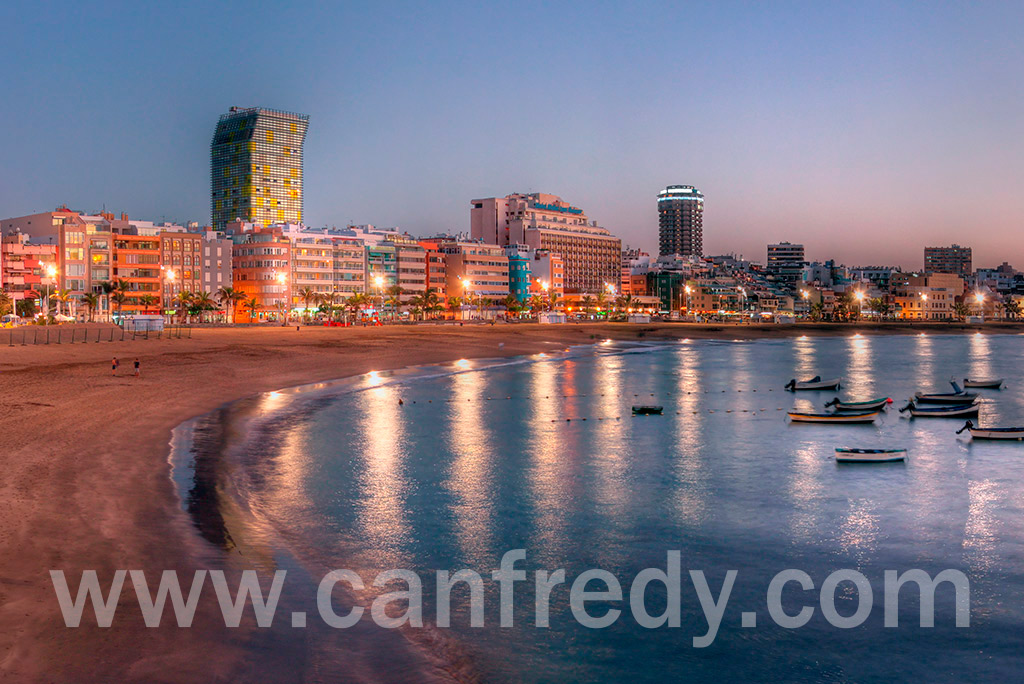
[85, 475]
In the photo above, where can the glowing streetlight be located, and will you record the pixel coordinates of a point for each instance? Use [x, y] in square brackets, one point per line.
[859, 296]
[980, 297]
[378, 281]
[51, 273]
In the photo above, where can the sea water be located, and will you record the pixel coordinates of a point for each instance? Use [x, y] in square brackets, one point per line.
[450, 467]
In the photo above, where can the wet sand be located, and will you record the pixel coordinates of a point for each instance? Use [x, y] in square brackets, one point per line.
[85, 475]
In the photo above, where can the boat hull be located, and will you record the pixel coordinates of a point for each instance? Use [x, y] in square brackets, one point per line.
[984, 384]
[873, 405]
[963, 398]
[834, 418]
[870, 455]
[648, 410]
[951, 412]
[1015, 434]
[815, 386]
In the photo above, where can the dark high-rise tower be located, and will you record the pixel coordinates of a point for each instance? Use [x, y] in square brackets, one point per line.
[256, 167]
[681, 221]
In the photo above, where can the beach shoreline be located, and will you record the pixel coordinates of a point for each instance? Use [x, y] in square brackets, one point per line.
[87, 480]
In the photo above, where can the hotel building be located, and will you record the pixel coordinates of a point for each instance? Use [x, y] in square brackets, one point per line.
[952, 259]
[256, 167]
[590, 254]
[680, 221]
[180, 264]
[260, 263]
[24, 268]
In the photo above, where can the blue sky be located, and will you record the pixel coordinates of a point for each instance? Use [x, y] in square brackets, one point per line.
[864, 130]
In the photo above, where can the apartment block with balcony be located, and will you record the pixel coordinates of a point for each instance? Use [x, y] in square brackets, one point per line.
[261, 264]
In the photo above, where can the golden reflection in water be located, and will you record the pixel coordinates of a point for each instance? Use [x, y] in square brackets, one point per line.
[690, 500]
[980, 358]
[611, 465]
[980, 537]
[470, 477]
[858, 533]
[805, 365]
[806, 492]
[550, 475]
[924, 358]
[859, 378]
[382, 508]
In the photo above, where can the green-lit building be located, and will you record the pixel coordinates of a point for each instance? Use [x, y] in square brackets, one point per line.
[256, 167]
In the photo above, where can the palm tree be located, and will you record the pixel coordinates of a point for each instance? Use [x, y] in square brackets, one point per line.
[587, 302]
[26, 308]
[961, 310]
[202, 301]
[602, 298]
[394, 300]
[453, 304]
[120, 297]
[90, 299]
[182, 301]
[817, 310]
[512, 304]
[355, 303]
[552, 301]
[62, 296]
[625, 302]
[307, 295]
[1011, 307]
[227, 297]
[147, 300]
[106, 289]
[253, 306]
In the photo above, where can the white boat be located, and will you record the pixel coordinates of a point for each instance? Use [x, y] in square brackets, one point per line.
[1008, 433]
[954, 411]
[870, 405]
[815, 383]
[845, 418]
[995, 383]
[848, 455]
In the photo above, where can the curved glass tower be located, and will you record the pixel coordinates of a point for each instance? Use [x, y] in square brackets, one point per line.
[681, 221]
[256, 167]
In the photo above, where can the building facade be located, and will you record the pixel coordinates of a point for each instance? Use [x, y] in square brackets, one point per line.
[475, 270]
[590, 254]
[256, 167]
[952, 259]
[681, 221]
[260, 265]
[786, 263]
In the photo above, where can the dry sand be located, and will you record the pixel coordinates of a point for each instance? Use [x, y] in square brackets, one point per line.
[85, 475]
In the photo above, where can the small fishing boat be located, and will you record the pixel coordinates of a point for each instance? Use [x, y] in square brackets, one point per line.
[847, 455]
[997, 383]
[870, 405]
[1016, 433]
[952, 411]
[815, 383]
[957, 396]
[648, 410]
[840, 418]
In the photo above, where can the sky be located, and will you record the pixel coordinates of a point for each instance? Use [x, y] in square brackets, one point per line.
[863, 130]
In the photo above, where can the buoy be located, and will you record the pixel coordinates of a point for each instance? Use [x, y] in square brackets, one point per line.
[400, 402]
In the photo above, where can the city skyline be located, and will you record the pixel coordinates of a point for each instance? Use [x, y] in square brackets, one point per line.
[866, 140]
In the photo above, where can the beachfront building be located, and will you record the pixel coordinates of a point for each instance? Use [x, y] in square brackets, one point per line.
[476, 272]
[519, 277]
[928, 297]
[786, 263]
[216, 261]
[381, 269]
[256, 167]
[437, 271]
[260, 263]
[681, 221]
[410, 267]
[180, 265]
[137, 264]
[952, 259]
[590, 255]
[27, 271]
[349, 266]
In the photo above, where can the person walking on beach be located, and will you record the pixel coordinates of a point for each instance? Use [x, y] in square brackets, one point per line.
[136, 366]
[113, 366]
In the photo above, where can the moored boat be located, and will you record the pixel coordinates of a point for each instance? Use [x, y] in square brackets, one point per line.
[952, 411]
[1008, 433]
[839, 418]
[648, 410]
[870, 405]
[957, 396]
[849, 455]
[815, 383]
[996, 383]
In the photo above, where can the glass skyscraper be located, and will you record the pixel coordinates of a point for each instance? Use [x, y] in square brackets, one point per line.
[256, 167]
[681, 221]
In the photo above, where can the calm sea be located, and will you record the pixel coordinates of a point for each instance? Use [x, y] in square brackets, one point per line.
[542, 454]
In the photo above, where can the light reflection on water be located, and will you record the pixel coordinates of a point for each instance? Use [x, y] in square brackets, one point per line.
[452, 480]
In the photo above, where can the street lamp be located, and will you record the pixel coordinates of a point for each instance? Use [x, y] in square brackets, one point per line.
[282, 280]
[51, 273]
[687, 289]
[859, 296]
